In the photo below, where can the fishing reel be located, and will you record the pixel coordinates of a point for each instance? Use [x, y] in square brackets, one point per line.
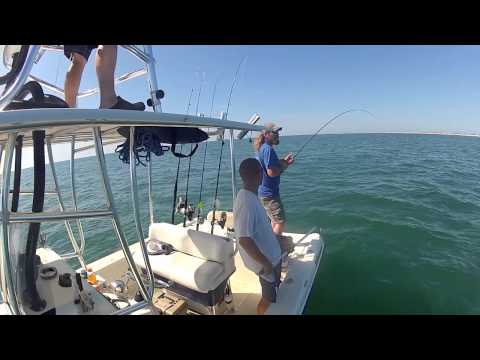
[223, 219]
[184, 209]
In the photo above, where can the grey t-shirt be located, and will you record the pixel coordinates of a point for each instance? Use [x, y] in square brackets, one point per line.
[252, 221]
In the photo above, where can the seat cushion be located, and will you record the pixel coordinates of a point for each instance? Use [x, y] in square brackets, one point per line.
[194, 273]
[196, 243]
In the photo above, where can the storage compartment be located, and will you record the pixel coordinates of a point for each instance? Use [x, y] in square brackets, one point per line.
[169, 304]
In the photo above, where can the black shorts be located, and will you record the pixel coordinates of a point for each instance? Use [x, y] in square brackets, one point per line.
[269, 289]
[83, 50]
[274, 208]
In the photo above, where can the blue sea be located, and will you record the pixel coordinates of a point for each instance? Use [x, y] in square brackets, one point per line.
[400, 214]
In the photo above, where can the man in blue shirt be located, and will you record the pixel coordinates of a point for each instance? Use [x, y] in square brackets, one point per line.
[269, 189]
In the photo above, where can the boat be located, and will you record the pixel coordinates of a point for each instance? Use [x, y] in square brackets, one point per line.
[192, 267]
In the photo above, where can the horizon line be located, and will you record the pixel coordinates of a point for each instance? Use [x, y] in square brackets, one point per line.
[393, 132]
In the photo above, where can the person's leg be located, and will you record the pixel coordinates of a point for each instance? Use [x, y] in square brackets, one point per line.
[262, 306]
[269, 290]
[276, 213]
[106, 62]
[73, 78]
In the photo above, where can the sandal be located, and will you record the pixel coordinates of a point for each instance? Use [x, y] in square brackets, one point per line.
[122, 104]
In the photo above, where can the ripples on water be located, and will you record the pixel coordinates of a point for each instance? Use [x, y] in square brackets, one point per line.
[399, 214]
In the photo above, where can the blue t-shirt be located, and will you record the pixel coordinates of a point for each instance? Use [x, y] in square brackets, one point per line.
[270, 185]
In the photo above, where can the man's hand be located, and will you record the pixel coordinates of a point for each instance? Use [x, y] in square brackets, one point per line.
[289, 159]
[251, 249]
[267, 269]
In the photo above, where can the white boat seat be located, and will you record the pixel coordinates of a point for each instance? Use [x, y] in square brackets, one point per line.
[201, 262]
[189, 271]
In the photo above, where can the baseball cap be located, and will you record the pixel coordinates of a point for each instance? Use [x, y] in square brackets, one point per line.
[271, 127]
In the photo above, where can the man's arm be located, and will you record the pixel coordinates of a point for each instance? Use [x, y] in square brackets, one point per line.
[283, 164]
[251, 249]
[277, 170]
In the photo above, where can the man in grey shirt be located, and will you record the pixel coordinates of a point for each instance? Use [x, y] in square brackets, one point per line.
[259, 247]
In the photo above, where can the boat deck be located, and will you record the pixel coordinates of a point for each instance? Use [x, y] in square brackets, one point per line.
[292, 295]
[296, 281]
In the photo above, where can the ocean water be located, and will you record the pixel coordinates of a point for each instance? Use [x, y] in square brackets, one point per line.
[399, 215]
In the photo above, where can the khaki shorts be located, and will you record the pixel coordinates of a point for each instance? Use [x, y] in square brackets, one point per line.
[270, 289]
[274, 208]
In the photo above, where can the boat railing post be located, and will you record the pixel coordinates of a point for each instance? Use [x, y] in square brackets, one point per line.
[150, 195]
[136, 214]
[157, 107]
[9, 290]
[152, 79]
[78, 250]
[22, 77]
[138, 53]
[115, 219]
[234, 187]
[3, 286]
[232, 165]
[74, 195]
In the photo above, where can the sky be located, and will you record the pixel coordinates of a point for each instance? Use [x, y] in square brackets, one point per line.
[408, 88]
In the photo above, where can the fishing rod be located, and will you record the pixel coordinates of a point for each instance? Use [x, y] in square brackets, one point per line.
[214, 91]
[200, 204]
[223, 143]
[178, 169]
[187, 209]
[233, 84]
[216, 186]
[325, 125]
[199, 93]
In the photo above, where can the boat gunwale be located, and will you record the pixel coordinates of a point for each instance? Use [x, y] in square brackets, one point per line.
[14, 120]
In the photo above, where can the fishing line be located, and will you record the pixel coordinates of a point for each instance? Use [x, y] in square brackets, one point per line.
[326, 124]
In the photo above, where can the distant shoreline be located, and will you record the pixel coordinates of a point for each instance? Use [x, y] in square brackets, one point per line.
[393, 133]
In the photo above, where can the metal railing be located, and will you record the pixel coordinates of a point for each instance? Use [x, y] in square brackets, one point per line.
[13, 90]
[115, 220]
[78, 249]
[81, 234]
[34, 55]
[110, 211]
[85, 93]
[136, 212]
[37, 51]
[8, 284]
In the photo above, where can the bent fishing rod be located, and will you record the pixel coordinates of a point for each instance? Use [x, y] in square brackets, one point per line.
[326, 124]
[234, 83]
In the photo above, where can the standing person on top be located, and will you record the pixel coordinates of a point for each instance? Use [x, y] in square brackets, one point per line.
[105, 63]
